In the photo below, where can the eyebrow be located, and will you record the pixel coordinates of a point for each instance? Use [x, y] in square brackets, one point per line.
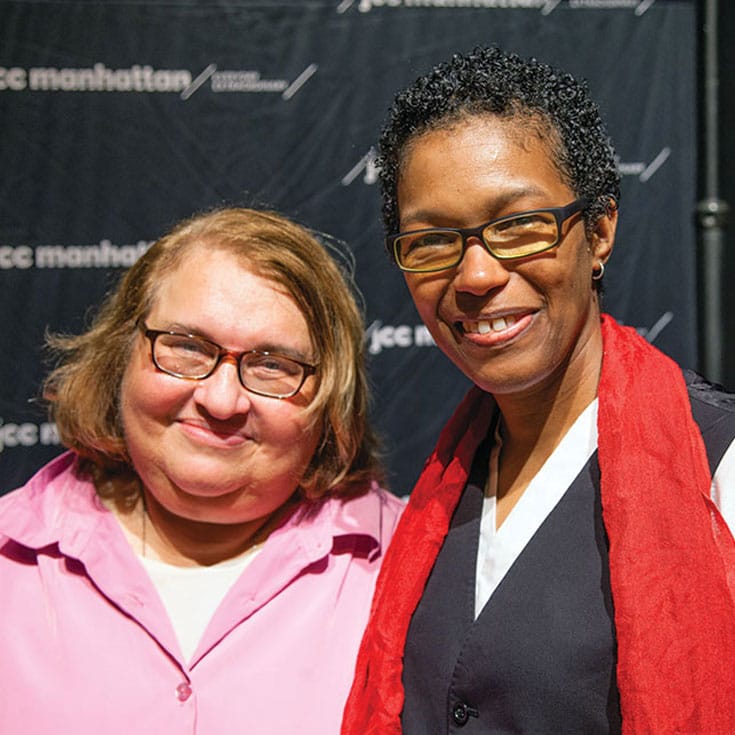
[272, 347]
[493, 206]
[276, 348]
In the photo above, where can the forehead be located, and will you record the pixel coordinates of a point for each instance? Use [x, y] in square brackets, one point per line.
[486, 157]
[523, 131]
[216, 291]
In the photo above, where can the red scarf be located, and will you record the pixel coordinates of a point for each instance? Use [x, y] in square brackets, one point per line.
[672, 558]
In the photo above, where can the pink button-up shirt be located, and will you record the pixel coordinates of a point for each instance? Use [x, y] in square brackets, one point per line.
[87, 647]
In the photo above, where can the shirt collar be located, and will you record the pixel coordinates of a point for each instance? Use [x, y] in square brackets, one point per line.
[59, 506]
[339, 525]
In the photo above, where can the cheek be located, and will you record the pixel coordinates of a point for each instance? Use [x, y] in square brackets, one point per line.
[580, 280]
[568, 279]
[290, 427]
[147, 395]
[426, 294]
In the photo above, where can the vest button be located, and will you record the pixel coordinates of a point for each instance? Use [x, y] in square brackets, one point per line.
[460, 713]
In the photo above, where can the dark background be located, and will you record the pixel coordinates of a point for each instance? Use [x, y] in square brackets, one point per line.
[80, 168]
[726, 58]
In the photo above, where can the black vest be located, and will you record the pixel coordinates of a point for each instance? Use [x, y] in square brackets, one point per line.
[540, 658]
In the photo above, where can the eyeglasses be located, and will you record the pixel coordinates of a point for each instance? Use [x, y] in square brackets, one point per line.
[515, 236]
[195, 358]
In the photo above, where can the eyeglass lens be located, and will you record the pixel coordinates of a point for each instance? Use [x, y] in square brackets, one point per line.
[514, 237]
[192, 357]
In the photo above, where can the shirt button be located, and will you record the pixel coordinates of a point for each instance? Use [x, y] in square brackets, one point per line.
[460, 713]
[183, 692]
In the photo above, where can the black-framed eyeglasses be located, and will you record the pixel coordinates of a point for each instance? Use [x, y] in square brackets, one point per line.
[507, 238]
[191, 357]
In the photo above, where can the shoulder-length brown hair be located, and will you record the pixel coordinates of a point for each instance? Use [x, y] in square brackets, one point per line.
[83, 390]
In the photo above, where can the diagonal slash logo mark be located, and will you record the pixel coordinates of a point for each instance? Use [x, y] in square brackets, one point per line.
[643, 6]
[366, 164]
[655, 165]
[299, 82]
[549, 7]
[196, 83]
[657, 328]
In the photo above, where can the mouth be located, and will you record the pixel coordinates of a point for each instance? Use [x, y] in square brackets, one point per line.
[216, 436]
[485, 326]
[493, 330]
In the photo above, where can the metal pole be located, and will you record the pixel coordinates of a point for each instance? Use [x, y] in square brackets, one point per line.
[711, 210]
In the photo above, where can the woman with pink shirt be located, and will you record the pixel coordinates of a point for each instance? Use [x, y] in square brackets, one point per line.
[202, 558]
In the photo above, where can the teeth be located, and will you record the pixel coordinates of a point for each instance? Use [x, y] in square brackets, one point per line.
[491, 325]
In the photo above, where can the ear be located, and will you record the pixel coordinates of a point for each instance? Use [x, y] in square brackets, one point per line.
[602, 237]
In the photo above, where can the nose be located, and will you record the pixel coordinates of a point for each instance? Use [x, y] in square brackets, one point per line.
[479, 272]
[221, 394]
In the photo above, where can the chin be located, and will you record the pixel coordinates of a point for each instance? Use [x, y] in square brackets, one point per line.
[208, 485]
[214, 504]
[195, 479]
[505, 383]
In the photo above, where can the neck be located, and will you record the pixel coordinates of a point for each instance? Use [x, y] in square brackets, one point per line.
[545, 412]
[534, 422]
[184, 542]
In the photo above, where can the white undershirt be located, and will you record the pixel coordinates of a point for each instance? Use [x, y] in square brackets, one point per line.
[499, 548]
[192, 594]
[723, 486]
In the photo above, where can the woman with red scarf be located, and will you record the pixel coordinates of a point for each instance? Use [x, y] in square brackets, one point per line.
[561, 567]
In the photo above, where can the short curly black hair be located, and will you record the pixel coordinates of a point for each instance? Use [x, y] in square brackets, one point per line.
[492, 81]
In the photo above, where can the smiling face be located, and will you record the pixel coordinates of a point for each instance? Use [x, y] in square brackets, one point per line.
[514, 326]
[208, 450]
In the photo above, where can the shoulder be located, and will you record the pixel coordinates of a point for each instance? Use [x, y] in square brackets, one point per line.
[708, 396]
[38, 488]
[387, 500]
[713, 408]
[376, 502]
[711, 403]
[36, 514]
[371, 516]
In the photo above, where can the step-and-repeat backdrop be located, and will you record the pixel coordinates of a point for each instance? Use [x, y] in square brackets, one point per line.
[119, 118]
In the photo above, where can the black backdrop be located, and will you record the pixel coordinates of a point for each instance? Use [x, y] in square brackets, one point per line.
[726, 57]
[120, 118]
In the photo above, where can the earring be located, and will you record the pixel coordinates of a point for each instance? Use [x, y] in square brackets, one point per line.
[598, 274]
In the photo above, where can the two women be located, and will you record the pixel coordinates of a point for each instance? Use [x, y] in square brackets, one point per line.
[202, 559]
